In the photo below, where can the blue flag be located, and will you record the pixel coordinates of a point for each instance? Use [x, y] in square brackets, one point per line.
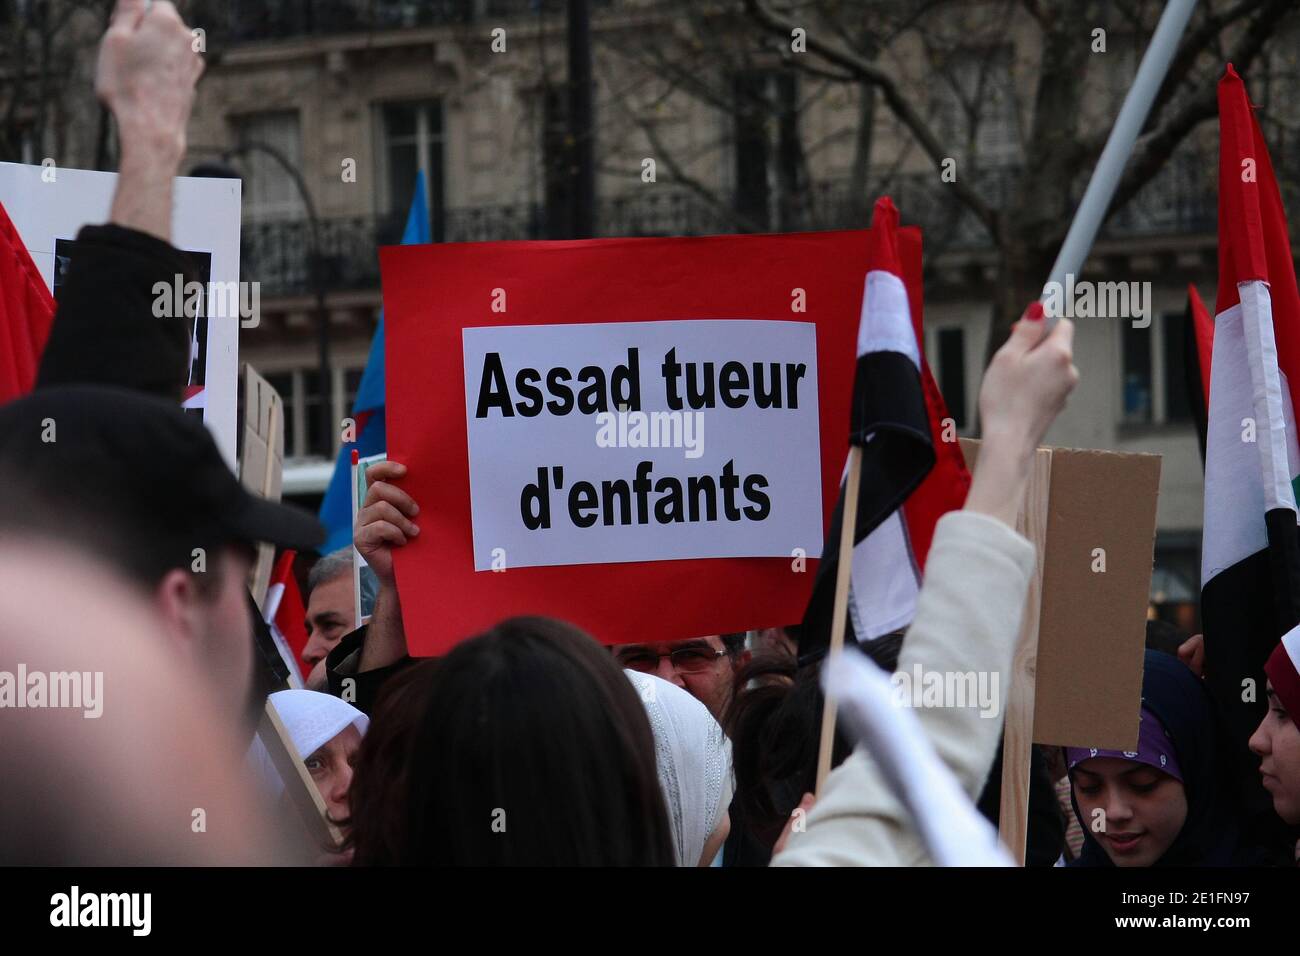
[368, 408]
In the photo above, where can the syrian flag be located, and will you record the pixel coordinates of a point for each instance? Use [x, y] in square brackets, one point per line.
[1250, 557]
[910, 476]
[286, 617]
[26, 313]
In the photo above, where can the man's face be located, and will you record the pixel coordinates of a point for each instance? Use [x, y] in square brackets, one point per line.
[700, 665]
[331, 614]
[1277, 742]
[1133, 810]
[331, 770]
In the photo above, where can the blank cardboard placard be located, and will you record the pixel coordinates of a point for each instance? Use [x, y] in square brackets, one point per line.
[1096, 584]
[1092, 623]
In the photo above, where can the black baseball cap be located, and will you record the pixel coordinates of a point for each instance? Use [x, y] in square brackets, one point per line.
[132, 476]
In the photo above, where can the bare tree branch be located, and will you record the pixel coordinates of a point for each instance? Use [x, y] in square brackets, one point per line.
[892, 93]
[1153, 149]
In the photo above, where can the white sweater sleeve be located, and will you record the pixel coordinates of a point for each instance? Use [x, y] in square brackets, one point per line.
[967, 619]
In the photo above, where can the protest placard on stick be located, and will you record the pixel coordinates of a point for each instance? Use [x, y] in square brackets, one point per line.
[1077, 672]
[297, 781]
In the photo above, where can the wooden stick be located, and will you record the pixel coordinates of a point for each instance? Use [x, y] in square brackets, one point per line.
[297, 781]
[848, 525]
[1018, 730]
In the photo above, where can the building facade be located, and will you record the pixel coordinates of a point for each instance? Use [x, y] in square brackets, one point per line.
[328, 110]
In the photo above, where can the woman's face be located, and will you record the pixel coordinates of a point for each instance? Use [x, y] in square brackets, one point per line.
[1132, 809]
[1277, 742]
[331, 770]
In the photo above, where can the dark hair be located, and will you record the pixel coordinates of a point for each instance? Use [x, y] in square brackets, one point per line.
[376, 799]
[734, 642]
[532, 749]
[1163, 636]
[774, 723]
[89, 520]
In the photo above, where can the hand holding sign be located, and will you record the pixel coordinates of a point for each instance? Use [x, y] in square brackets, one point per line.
[384, 521]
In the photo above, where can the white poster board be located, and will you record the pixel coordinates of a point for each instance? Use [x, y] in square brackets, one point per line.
[48, 210]
[714, 451]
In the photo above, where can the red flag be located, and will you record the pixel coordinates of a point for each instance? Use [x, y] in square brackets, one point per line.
[26, 313]
[286, 614]
[911, 475]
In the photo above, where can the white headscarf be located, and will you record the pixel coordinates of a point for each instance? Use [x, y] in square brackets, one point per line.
[693, 758]
[312, 719]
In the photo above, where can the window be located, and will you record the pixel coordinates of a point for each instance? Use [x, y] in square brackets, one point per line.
[283, 383]
[270, 191]
[346, 383]
[316, 441]
[951, 348]
[412, 143]
[1153, 387]
[975, 106]
[300, 391]
[766, 146]
[1137, 374]
[558, 161]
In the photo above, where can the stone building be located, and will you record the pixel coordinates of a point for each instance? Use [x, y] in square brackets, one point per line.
[338, 103]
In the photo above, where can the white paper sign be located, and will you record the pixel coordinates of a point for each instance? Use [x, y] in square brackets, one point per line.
[48, 211]
[642, 441]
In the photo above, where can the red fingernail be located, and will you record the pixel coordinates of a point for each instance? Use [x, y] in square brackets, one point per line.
[1035, 312]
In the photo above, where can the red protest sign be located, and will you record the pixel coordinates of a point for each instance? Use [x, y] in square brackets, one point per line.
[461, 322]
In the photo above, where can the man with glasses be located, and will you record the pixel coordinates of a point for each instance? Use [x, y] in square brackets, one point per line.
[705, 667]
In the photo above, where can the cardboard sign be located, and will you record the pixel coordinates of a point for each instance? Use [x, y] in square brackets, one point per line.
[1101, 530]
[1099, 512]
[49, 206]
[261, 462]
[515, 375]
[1077, 671]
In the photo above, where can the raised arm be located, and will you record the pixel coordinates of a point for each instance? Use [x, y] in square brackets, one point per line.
[968, 612]
[105, 330]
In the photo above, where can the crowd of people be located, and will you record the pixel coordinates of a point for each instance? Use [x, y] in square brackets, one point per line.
[126, 545]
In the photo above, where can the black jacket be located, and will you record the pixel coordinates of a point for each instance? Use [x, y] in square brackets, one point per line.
[105, 331]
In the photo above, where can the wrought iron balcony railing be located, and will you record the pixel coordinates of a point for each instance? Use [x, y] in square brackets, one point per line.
[1181, 200]
[249, 21]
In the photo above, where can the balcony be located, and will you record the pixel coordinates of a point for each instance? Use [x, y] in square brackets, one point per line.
[231, 22]
[1181, 200]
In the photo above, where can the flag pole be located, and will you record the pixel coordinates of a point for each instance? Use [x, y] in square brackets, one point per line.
[1119, 146]
[844, 566]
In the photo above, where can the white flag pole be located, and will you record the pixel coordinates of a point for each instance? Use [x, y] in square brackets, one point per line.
[1119, 146]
